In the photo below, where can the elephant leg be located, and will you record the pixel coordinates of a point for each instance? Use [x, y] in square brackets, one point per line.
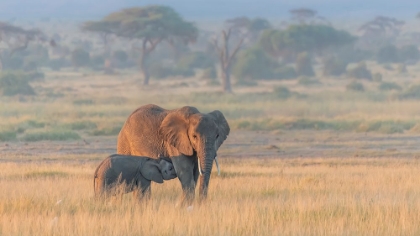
[143, 190]
[196, 172]
[184, 168]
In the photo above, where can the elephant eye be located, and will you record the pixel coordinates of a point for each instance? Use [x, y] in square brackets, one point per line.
[217, 136]
[194, 136]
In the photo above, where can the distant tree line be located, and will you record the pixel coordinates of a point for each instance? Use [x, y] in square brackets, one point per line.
[161, 43]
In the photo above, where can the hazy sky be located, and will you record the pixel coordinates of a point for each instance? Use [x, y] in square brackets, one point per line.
[195, 9]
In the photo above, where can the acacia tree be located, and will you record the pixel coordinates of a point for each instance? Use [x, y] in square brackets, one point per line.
[239, 30]
[307, 16]
[303, 38]
[146, 27]
[380, 31]
[226, 58]
[17, 38]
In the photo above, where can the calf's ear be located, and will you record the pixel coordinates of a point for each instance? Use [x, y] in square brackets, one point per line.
[151, 171]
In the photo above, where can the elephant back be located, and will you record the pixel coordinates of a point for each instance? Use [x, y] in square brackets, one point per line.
[139, 135]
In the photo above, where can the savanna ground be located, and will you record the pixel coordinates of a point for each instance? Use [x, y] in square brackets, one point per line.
[318, 161]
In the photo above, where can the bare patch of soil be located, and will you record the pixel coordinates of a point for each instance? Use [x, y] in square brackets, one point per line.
[242, 144]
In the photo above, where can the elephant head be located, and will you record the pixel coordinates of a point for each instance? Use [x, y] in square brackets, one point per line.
[158, 170]
[196, 134]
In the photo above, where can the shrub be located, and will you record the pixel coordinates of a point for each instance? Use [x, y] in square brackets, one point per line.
[253, 64]
[304, 65]
[80, 58]
[209, 73]
[196, 60]
[285, 72]
[184, 72]
[97, 61]
[30, 64]
[15, 83]
[306, 81]
[120, 58]
[387, 54]
[7, 135]
[109, 131]
[12, 63]
[334, 67]
[50, 136]
[355, 86]
[160, 72]
[57, 63]
[401, 68]
[81, 125]
[388, 67]
[377, 77]
[413, 92]
[247, 83]
[387, 86]
[282, 92]
[360, 72]
[409, 53]
[83, 102]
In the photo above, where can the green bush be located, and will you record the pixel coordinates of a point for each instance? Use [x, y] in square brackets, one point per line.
[377, 77]
[413, 92]
[282, 92]
[247, 83]
[57, 63]
[387, 54]
[334, 67]
[120, 58]
[388, 67]
[83, 102]
[401, 68]
[80, 58]
[15, 83]
[97, 61]
[209, 73]
[307, 81]
[50, 136]
[304, 65]
[160, 72]
[285, 72]
[355, 86]
[30, 64]
[12, 63]
[196, 60]
[81, 125]
[253, 64]
[7, 135]
[387, 86]
[109, 131]
[409, 53]
[360, 72]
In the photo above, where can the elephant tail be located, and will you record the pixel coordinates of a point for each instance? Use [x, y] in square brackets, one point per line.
[95, 187]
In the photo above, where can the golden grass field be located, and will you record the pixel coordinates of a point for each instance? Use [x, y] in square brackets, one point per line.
[253, 196]
[323, 162]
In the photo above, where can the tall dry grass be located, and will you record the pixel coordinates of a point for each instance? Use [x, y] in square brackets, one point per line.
[317, 196]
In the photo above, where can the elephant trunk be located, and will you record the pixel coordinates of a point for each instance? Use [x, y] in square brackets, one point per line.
[205, 162]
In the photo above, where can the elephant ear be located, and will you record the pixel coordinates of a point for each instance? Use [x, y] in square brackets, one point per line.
[151, 171]
[174, 129]
[222, 125]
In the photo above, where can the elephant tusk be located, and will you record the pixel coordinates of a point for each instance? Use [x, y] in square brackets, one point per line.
[217, 165]
[199, 168]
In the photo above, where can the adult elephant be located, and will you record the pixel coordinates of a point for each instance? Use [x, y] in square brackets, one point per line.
[190, 138]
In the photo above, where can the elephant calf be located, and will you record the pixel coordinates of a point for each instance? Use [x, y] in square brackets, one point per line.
[130, 173]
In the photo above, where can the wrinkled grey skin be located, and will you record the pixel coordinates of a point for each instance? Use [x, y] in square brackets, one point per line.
[188, 137]
[135, 172]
